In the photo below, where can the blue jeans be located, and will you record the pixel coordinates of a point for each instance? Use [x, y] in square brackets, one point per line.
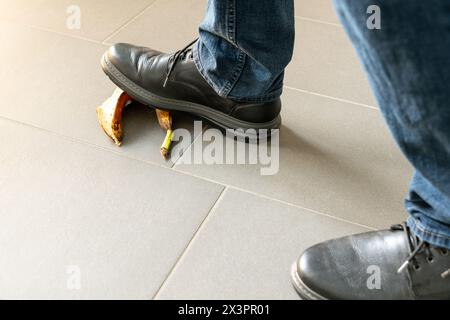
[408, 64]
[245, 45]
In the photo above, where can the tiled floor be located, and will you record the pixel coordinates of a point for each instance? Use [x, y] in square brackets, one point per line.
[135, 226]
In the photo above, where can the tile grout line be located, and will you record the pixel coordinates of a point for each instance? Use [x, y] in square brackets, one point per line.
[84, 142]
[367, 106]
[63, 34]
[301, 207]
[127, 23]
[185, 250]
[225, 185]
[131, 20]
[335, 24]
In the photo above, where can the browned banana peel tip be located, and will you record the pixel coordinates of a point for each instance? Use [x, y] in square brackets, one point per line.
[109, 115]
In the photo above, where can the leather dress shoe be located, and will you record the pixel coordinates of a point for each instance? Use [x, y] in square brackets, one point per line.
[172, 82]
[382, 265]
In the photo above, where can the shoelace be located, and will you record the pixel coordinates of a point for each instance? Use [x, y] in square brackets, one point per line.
[416, 245]
[174, 59]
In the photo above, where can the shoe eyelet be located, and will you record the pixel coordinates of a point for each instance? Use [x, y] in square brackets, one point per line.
[430, 259]
[417, 267]
[444, 252]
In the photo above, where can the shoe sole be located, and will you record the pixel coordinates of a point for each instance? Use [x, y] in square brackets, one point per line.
[218, 118]
[302, 289]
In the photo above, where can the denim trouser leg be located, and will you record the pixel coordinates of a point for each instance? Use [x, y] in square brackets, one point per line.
[244, 47]
[408, 63]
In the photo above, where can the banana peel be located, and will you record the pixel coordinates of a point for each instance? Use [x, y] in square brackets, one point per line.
[164, 119]
[165, 122]
[165, 147]
[109, 115]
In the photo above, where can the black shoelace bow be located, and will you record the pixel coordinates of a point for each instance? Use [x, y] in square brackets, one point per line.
[174, 59]
[416, 246]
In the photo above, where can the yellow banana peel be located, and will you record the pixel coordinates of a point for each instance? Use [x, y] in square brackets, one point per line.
[165, 122]
[164, 119]
[109, 115]
[165, 147]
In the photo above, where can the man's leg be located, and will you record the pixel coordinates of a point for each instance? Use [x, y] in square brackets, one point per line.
[408, 65]
[409, 68]
[245, 46]
[232, 76]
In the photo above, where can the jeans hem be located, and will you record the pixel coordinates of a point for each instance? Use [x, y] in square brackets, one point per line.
[225, 93]
[202, 71]
[428, 234]
[262, 99]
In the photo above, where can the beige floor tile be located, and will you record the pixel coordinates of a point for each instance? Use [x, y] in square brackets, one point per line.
[325, 62]
[168, 26]
[99, 19]
[246, 248]
[321, 10]
[121, 223]
[335, 158]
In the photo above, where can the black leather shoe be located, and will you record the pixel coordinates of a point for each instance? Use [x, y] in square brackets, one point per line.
[172, 82]
[390, 264]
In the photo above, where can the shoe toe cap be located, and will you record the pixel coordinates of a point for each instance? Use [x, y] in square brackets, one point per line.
[313, 270]
[119, 51]
[361, 266]
[333, 270]
[128, 58]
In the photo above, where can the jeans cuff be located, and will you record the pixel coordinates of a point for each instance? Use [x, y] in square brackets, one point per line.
[260, 99]
[428, 234]
[201, 70]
